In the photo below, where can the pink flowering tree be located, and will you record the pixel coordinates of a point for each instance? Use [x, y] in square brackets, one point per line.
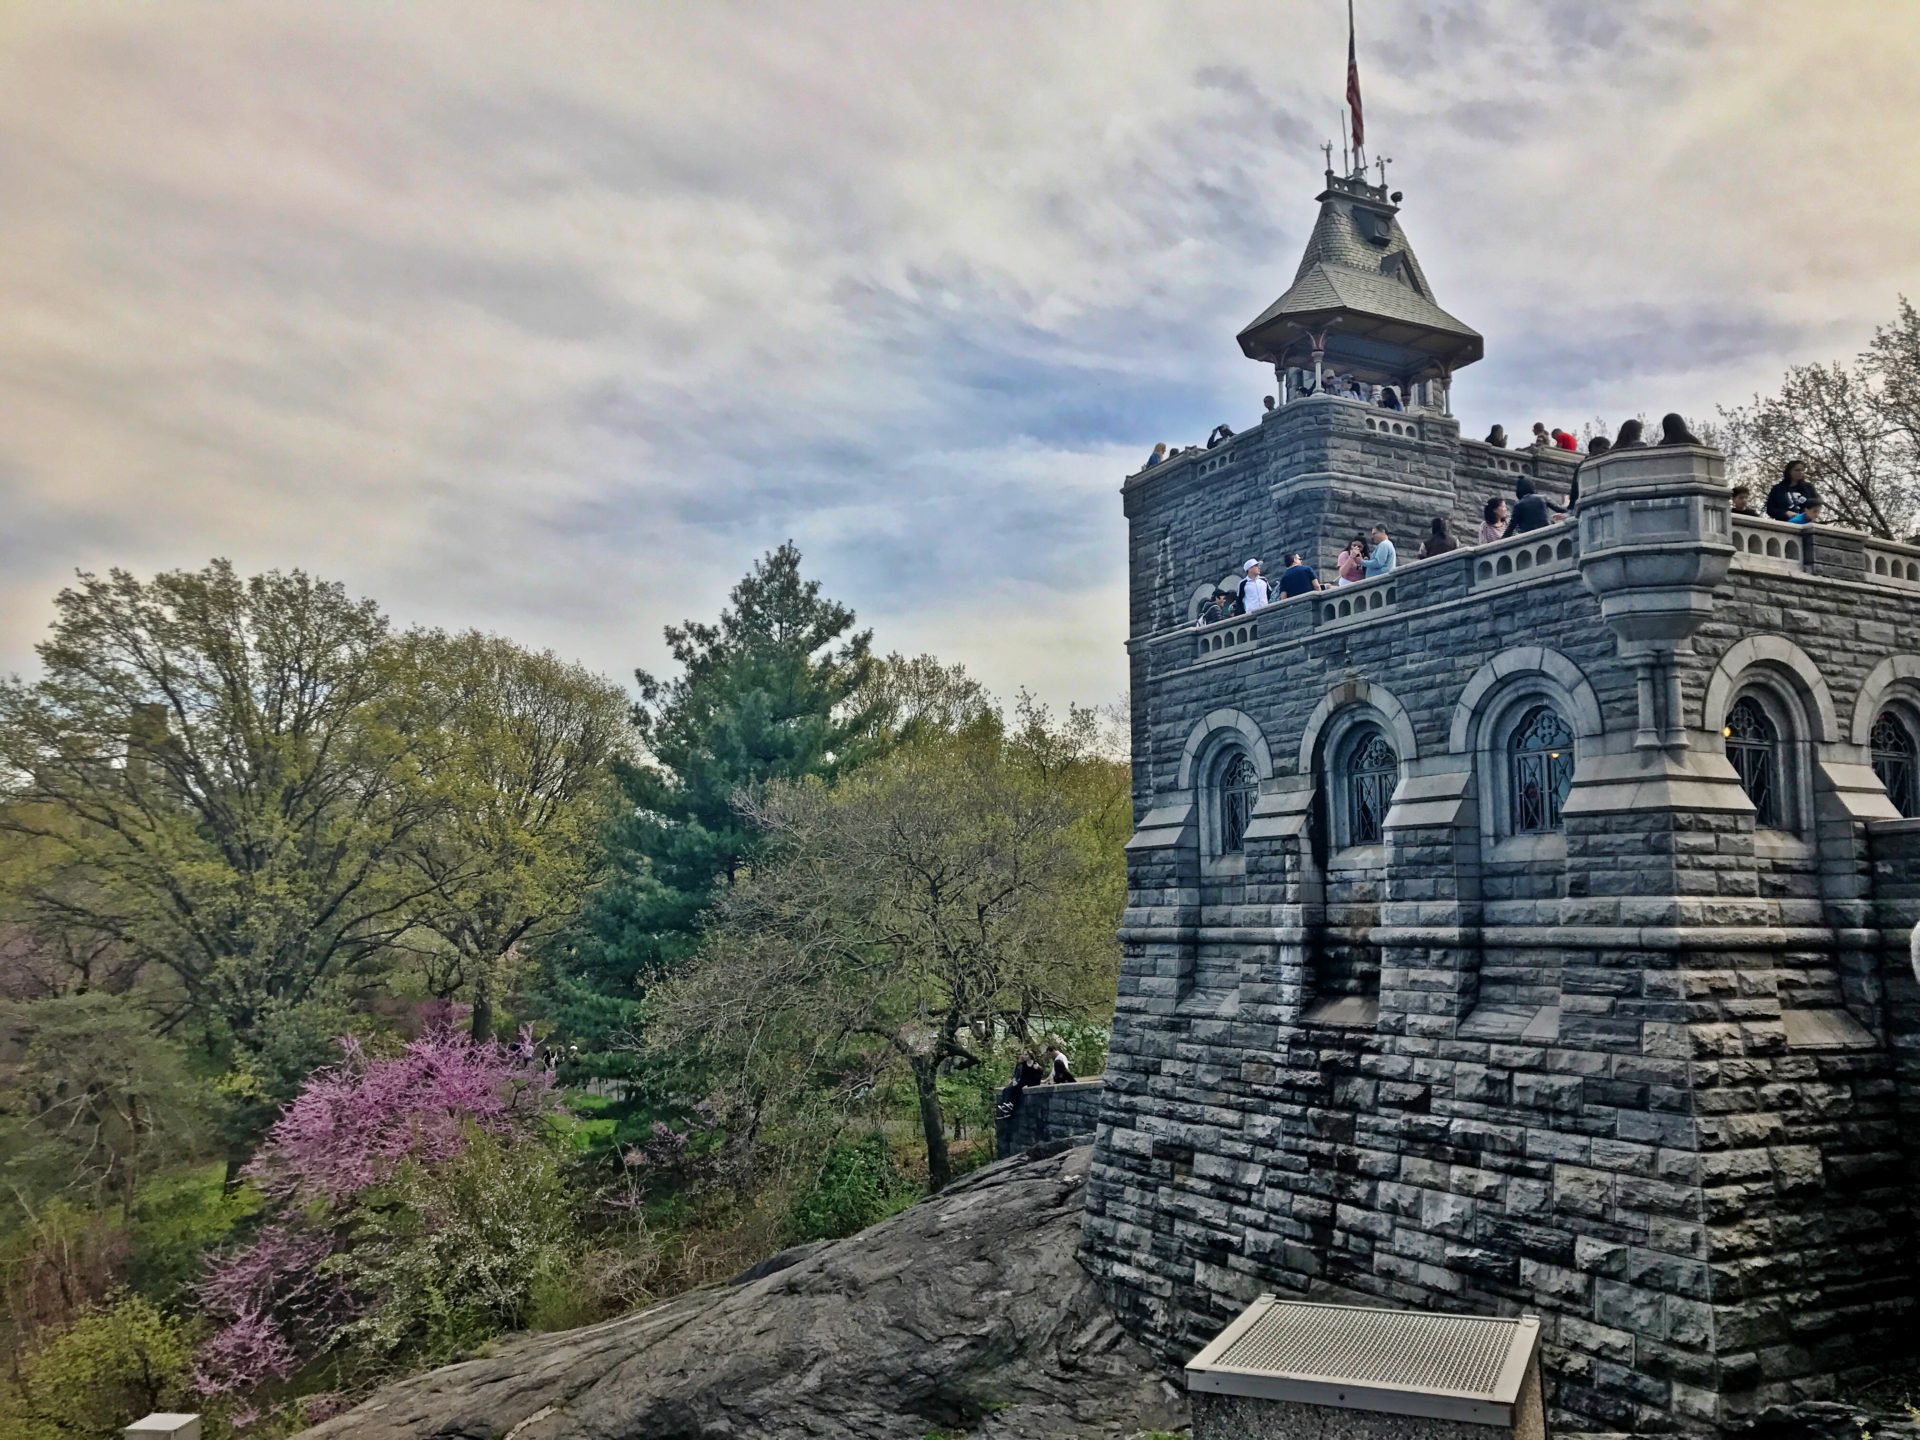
[280, 1299]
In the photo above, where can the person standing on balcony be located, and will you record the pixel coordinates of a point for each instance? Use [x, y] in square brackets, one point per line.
[1353, 560]
[1439, 542]
[1253, 589]
[1493, 521]
[1790, 494]
[1382, 559]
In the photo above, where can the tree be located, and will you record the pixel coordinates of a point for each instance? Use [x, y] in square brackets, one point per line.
[95, 1103]
[772, 692]
[1856, 425]
[916, 697]
[219, 758]
[115, 1364]
[524, 771]
[911, 911]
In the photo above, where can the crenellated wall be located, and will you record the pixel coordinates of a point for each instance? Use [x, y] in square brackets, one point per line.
[1649, 1071]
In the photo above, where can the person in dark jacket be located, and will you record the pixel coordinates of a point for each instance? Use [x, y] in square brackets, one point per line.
[1790, 494]
[1497, 437]
[1025, 1073]
[1218, 608]
[1530, 510]
[1439, 542]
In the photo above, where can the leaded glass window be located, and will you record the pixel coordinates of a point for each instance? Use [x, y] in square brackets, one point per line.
[1540, 756]
[1752, 746]
[1893, 747]
[1238, 782]
[1372, 772]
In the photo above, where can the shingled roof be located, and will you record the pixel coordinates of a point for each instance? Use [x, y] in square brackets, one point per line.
[1360, 277]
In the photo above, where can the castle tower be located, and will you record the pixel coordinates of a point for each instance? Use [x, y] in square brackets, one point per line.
[1524, 930]
[1360, 305]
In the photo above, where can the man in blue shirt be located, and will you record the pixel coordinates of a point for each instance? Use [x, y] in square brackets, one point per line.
[1298, 578]
[1382, 559]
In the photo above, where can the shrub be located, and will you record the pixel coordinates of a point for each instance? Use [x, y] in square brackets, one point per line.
[452, 1253]
[858, 1185]
[113, 1365]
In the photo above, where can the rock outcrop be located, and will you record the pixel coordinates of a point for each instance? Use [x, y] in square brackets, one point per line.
[967, 1313]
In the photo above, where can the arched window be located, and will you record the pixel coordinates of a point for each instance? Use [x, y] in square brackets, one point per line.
[1236, 786]
[1369, 775]
[1893, 748]
[1753, 744]
[1540, 770]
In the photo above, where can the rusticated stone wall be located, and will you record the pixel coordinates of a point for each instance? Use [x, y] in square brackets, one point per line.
[1653, 1076]
[1049, 1112]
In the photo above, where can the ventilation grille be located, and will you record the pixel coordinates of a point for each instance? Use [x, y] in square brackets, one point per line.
[1404, 1361]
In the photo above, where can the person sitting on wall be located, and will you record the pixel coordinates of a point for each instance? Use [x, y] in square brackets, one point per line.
[1565, 441]
[1218, 434]
[1813, 512]
[1298, 578]
[1497, 437]
[1493, 521]
[1743, 500]
[1381, 558]
[1253, 588]
[1159, 454]
[1438, 541]
[1353, 561]
[1530, 510]
[1062, 1071]
[1025, 1073]
[1541, 439]
[1791, 492]
[1217, 608]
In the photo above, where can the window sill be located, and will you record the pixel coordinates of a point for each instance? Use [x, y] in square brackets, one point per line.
[1358, 857]
[1511, 849]
[1770, 844]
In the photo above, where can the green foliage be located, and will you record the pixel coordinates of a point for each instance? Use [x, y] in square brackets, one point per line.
[925, 904]
[115, 1364]
[523, 771]
[454, 1252]
[96, 1102]
[221, 759]
[858, 1185]
[763, 695]
[178, 1220]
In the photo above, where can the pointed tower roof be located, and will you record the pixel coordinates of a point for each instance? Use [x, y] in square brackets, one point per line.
[1361, 287]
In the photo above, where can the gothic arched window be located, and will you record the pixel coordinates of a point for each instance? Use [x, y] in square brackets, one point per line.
[1540, 770]
[1369, 775]
[1753, 744]
[1236, 787]
[1893, 748]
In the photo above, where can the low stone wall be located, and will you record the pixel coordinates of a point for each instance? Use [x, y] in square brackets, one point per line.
[1049, 1112]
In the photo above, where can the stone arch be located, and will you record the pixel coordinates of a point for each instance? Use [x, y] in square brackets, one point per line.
[1780, 655]
[1564, 680]
[1377, 698]
[1896, 672]
[1210, 726]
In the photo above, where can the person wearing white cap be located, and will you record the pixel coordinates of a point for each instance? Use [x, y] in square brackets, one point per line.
[1253, 589]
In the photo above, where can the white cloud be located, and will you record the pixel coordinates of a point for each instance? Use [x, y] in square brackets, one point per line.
[551, 319]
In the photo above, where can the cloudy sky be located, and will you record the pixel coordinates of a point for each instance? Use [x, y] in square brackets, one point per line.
[549, 318]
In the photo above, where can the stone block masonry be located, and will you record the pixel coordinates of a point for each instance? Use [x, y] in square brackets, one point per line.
[1573, 1004]
[1049, 1112]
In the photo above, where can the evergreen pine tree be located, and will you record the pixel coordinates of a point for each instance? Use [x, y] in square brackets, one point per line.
[776, 690]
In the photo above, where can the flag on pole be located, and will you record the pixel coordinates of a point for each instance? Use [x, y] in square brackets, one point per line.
[1353, 84]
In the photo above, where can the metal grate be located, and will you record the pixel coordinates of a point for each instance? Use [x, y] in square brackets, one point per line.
[1403, 1361]
[1375, 1347]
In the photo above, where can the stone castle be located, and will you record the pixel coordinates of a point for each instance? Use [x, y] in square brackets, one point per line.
[1524, 930]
